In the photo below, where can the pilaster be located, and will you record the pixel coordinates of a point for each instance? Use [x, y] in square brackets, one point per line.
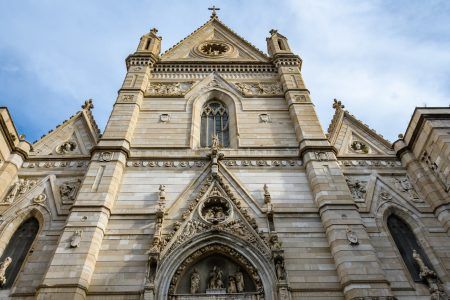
[70, 272]
[358, 267]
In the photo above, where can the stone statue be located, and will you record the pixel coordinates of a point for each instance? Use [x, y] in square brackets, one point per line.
[239, 279]
[267, 197]
[215, 279]
[275, 244]
[424, 270]
[231, 288]
[162, 192]
[195, 282]
[209, 215]
[76, 239]
[219, 214]
[3, 266]
[279, 267]
[215, 142]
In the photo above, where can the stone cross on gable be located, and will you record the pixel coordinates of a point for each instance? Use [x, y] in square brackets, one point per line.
[213, 8]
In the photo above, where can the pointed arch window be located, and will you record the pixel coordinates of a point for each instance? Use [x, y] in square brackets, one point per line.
[406, 242]
[214, 121]
[18, 248]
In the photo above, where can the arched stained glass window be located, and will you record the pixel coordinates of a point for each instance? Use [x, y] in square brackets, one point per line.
[406, 242]
[214, 122]
[18, 248]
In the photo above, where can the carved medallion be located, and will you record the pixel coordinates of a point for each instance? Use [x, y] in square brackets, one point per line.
[214, 48]
[66, 147]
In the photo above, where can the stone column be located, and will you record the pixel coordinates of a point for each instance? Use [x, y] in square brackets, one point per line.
[70, 272]
[358, 267]
[426, 183]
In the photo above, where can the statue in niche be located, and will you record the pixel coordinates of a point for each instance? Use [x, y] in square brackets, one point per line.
[279, 268]
[215, 279]
[215, 210]
[231, 288]
[3, 266]
[357, 188]
[195, 282]
[239, 279]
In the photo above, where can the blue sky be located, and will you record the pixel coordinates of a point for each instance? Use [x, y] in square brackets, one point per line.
[381, 58]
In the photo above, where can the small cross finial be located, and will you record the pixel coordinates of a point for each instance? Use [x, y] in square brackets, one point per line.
[337, 105]
[88, 104]
[213, 9]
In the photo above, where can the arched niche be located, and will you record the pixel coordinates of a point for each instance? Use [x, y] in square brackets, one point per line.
[210, 247]
[220, 95]
[219, 269]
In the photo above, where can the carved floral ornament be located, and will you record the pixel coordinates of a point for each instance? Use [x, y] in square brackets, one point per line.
[259, 88]
[18, 189]
[169, 88]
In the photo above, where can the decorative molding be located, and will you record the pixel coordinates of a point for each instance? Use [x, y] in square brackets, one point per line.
[168, 88]
[262, 163]
[55, 164]
[210, 68]
[370, 163]
[19, 188]
[165, 164]
[265, 118]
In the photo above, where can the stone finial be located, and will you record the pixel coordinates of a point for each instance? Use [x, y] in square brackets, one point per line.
[273, 31]
[400, 136]
[154, 30]
[22, 137]
[337, 104]
[88, 105]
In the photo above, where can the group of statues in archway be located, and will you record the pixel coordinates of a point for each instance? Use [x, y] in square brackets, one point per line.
[216, 282]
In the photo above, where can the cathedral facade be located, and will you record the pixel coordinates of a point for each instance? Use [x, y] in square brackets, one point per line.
[214, 179]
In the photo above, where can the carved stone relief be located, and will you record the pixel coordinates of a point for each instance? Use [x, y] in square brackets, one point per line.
[370, 163]
[265, 118]
[76, 239]
[127, 98]
[164, 118]
[443, 177]
[66, 148]
[169, 88]
[259, 89]
[69, 189]
[357, 187]
[359, 147]
[39, 199]
[105, 156]
[403, 185]
[352, 237]
[19, 188]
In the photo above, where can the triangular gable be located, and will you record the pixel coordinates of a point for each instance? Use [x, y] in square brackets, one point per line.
[190, 215]
[75, 137]
[351, 137]
[196, 46]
